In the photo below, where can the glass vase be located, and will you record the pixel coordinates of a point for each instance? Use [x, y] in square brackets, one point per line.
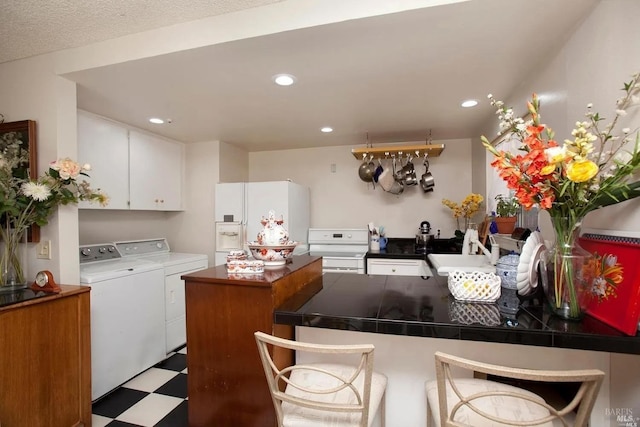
[567, 274]
[12, 257]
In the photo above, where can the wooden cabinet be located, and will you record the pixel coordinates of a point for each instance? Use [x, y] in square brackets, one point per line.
[137, 170]
[155, 172]
[45, 361]
[105, 146]
[398, 267]
[227, 386]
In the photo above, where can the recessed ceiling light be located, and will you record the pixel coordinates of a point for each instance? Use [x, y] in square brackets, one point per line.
[326, 129]
[156, 120]
[469, 103]
[284, 79]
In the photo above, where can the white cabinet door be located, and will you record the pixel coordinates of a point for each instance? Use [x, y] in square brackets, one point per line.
[175, 312]
[155, 171]
[105, 146]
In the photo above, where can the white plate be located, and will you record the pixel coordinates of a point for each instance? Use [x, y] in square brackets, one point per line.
[527, 277]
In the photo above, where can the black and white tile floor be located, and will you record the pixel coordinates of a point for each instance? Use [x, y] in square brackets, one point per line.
[155, 398]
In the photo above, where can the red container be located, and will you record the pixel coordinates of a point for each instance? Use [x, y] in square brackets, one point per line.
[621, 311]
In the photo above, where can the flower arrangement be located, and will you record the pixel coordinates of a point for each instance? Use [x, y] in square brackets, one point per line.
[592, 169]
[25, 201]
[466, 209]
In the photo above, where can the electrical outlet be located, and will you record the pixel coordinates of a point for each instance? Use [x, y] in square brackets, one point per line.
[44, 249]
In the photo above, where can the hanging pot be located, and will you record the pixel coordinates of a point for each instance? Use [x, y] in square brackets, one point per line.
[366, 170]
[398, 186]
[427, 182]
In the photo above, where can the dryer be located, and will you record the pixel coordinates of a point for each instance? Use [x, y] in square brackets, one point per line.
[175, 265]
[127, 315]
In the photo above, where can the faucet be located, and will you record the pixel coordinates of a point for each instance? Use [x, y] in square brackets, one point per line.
[471, 244]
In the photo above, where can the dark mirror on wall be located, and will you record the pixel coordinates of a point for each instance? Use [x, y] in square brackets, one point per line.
[21, 136]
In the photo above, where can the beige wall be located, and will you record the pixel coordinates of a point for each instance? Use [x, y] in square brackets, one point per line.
[590, 68]
[32, 89]
[341, 199]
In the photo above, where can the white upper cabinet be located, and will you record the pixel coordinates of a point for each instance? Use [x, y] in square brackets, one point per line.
[155, 172]
[137, 170]
[105, 146]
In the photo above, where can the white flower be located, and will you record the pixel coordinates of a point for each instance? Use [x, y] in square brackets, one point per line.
[621, 113]
[86, 167]
[599, 286]
[67, 168]
[38, 192]
[555, 154]
[610, 260]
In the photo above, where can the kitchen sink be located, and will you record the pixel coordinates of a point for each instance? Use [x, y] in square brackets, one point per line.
[445, 263]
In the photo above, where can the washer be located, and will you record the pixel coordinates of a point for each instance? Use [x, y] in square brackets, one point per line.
[127, 315]
[175, 265]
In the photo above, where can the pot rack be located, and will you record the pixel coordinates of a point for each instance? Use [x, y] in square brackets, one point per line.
[398, 150]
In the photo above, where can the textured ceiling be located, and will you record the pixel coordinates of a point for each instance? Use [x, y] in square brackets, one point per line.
[394, 77]
[33, 27]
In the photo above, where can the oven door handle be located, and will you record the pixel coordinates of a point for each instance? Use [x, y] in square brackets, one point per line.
[340, 270]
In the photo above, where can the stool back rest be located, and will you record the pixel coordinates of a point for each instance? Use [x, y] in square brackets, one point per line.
[590, 381]
[353, 380]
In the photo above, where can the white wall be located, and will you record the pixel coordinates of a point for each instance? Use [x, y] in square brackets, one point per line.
[32, 89]
[234, 163]
[591, 67]
[342, 199]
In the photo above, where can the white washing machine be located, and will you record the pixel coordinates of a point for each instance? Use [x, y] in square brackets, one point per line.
[175, 265]
[127, 315]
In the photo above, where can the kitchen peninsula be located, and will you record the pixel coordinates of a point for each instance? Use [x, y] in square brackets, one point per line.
[406, 318]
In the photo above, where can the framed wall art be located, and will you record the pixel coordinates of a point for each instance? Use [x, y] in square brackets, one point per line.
[24, 134]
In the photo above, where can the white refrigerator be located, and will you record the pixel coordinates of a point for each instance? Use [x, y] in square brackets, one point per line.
[239, 207]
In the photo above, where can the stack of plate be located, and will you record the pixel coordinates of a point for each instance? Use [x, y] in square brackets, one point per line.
[532, 251]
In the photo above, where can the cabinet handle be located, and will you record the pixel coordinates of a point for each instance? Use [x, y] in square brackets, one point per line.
[393, 270]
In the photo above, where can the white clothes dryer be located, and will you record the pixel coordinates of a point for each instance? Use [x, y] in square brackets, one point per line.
[175, 265]
[127, 315]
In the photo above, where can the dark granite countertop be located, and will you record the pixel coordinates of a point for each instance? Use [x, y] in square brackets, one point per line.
[401, 305]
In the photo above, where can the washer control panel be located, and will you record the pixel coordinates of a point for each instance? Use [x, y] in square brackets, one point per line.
[101, 252]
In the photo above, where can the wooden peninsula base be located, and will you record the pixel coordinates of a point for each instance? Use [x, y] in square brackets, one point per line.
[226, 382]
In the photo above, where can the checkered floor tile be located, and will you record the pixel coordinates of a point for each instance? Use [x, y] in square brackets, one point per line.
[155, 398]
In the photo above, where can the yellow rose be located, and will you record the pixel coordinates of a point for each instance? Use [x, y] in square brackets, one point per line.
[581, 170]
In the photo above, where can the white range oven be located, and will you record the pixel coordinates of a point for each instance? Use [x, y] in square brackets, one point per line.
[343, 250]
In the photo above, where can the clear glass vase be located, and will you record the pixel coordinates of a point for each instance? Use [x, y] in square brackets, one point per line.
[567, 275]
[12, 260]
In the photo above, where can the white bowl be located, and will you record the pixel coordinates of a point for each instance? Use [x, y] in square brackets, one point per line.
[272, 255]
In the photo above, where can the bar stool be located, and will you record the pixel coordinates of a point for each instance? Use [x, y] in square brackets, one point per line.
[324, 394]
[454, 402]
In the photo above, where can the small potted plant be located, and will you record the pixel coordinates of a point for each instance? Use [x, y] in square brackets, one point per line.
[507, 209]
